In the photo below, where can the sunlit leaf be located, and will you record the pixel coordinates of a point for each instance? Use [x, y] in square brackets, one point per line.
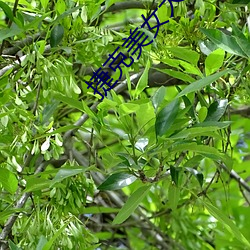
[8, 180]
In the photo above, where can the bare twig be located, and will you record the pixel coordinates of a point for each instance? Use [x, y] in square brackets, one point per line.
[235, 176]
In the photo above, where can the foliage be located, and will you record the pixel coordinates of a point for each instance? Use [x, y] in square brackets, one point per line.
[160, 163]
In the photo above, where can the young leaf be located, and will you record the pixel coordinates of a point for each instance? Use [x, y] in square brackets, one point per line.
[132, 203]
[166, 117]
[56, 35]
[214, 61]
[117, 181]
[186, 54]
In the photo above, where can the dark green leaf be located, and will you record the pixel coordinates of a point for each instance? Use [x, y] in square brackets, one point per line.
[223, 41]
[216, 110]
[117, 181]
[166, 117]
[56, 35]
[174, 172]
[7, 10]
[240, 2]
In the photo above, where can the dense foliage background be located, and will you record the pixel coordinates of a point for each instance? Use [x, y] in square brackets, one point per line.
[161, 163]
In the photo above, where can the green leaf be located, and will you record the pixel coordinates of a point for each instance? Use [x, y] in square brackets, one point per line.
[223, 41]
[143, 81]
[56, 35]
[173, 196]
[227, 223]
[49, 110]
[9, 211]
[70, 101]
[66, 172]
[49, 244]
[98, 210]
[8, 180]
[13, 246]
[193, 132]
[166, 117]
[214, 61]
[35, 184]
[158, 97]
[41, 243]
[128, 108]
[216, 110]
[197, 85]
[44, 3]
[117, 181]
[219, 125]
[9, 32]
[132, 203]
[7, 10]
[202, 114]
[186, 54]
[198, 175]
[244, 45]
[177, 74]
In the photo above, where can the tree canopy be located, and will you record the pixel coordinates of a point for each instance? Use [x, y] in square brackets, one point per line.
[158, 160]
